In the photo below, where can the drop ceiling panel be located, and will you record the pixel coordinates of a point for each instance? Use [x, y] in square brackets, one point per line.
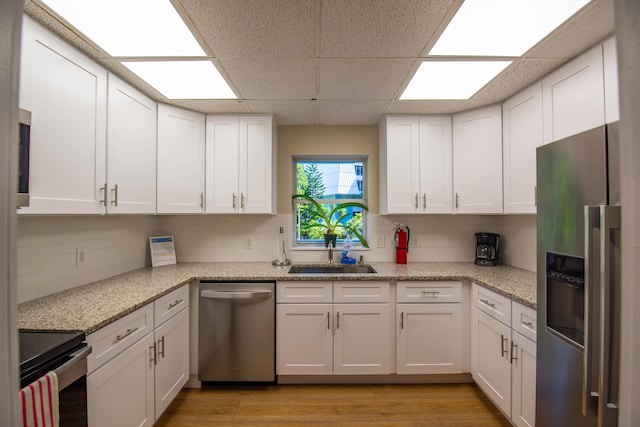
[263, 28]
[362, 79]
[379, 28]
[288, 112]
[279, 78]
[351, 112]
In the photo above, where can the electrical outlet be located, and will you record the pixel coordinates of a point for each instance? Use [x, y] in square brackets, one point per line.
[81, 256]
[380, 241]
[248, 242]
[415, 242]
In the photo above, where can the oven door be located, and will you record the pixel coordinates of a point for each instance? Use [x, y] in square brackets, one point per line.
[72, 383]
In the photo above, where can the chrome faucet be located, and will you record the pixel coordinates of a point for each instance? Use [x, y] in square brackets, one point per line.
[330, 246]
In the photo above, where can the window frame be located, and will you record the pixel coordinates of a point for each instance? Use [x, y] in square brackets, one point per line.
[318, 244]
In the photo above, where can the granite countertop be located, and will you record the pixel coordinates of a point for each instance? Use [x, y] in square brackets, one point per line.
[93, 306]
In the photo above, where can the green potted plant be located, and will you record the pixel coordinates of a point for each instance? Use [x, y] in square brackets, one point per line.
[330, 219]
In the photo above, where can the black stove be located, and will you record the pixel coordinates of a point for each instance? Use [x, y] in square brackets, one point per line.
[44, 351]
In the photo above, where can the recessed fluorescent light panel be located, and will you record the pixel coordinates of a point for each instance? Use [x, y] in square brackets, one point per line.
[130, 27]
[503, 27]
[451, 79]
[183, 79]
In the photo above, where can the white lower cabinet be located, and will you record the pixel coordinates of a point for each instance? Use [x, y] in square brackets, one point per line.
[133, 377]
[314, 336]
[503, 354]
[429, 328]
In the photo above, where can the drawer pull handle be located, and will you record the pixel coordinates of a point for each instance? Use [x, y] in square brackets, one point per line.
[487, 302]
[328, 320]
[432, 293]
[402, 320]
[528, 324]
[338, 320]
[175, 303]
[153, 354]
[126, 334]
[161, 347]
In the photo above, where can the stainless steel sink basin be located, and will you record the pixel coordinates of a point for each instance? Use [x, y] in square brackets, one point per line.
[331, 269]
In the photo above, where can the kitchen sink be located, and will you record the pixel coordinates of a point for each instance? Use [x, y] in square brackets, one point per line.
[331, 269]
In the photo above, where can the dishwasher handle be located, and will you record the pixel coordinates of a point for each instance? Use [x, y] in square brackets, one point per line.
[229, 294]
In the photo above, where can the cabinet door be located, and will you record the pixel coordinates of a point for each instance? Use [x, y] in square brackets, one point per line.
[573, 97]
[521, 134]
[223, 195]
[172, 369]
[66, 93]
[436, 168]
[362, 340]
[304, 339]
[400, 164]
[429, 338]
[477, 161]
[131, 150]
[120, 393]
[180, 160]
[490, 358]
[523, 409]
[256, 168]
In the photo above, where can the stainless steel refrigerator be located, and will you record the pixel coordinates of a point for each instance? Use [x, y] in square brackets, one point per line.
[578, 226]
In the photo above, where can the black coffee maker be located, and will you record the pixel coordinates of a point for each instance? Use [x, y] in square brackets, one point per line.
[488, 249]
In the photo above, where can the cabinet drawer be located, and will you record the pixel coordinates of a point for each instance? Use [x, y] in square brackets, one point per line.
[119, 335]
[168, 305]
[523, 320]
[301, 292]
[360, 291]
[493, 304]
[436, 291]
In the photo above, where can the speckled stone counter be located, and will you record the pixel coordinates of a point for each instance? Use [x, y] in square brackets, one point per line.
[91, 307]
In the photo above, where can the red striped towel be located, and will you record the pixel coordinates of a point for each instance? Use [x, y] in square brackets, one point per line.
[40, 402]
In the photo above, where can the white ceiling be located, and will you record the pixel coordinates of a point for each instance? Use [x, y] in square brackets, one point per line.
[338, 62]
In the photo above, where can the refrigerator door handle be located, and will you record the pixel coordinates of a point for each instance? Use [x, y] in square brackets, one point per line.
[590, 353]
[607, 409]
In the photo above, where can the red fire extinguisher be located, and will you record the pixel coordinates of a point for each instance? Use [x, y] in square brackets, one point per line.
[402, 243]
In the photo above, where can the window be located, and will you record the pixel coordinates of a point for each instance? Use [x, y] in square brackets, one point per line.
[329, 182]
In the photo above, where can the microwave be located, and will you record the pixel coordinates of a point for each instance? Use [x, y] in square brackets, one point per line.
[24, 149]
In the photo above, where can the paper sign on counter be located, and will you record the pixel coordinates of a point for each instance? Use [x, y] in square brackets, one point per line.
[162, 251]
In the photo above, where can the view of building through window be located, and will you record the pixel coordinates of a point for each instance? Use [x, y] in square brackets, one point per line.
[330, 183]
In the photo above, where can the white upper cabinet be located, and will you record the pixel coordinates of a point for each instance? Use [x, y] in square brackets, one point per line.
[181, 135]
[573, 97]
[66, 93]
[240, 164]
[611, 86]
[416, 165]
[131, 150]
[477, 161]
[521, 135]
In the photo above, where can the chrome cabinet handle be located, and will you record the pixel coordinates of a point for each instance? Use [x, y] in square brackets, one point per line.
[503, 351]
[328, 321]
[514, 351]
[175, 303]
[457, 200]
[104, 195]
[424, 201]
[153, 354]
[114, 202]
[402, 320]
[487, 302]
[416, 201]
[201, 200]
[432, 293]
[528, 324]
[126, 334]
[234, 200]
[241, 200]
[338, 320]
[161, 344]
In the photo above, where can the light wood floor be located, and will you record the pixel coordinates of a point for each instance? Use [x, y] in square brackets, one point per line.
[430, 405]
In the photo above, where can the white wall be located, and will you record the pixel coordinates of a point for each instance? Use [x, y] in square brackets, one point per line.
[47, 250]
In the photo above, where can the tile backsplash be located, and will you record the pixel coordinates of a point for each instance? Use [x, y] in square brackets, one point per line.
[117, 244]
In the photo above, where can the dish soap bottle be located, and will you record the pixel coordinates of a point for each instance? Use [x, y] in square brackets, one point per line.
[347, 244]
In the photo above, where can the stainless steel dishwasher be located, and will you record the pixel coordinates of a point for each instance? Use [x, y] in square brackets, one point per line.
[236, 332]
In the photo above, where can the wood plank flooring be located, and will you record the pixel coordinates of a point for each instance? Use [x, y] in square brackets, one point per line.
[432, 405]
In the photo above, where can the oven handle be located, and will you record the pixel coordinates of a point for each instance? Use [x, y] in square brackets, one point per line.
[74, 368]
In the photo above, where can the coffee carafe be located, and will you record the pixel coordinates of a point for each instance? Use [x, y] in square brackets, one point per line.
[488, 249]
